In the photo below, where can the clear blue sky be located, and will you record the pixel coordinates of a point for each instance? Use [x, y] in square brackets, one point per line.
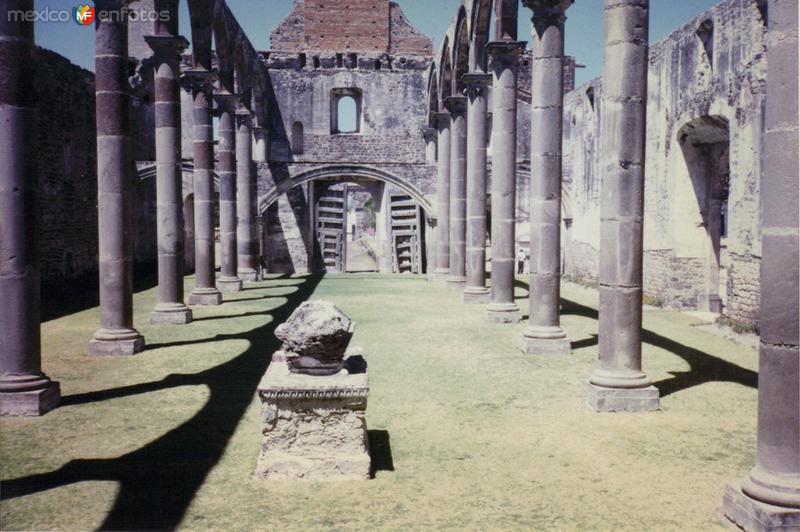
[584, 33]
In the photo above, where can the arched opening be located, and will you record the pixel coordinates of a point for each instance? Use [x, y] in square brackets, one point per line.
[345, 111]
[297, 138]
[705, 143]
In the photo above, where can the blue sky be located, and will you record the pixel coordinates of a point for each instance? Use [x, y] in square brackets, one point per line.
[584, 33]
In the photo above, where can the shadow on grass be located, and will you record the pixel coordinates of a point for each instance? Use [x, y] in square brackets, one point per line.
[158, 481]
[703, 366]
[380, 451]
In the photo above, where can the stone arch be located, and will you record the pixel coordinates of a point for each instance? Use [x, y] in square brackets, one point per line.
[148, 171]
[434, 104]
[461, 51]
[344, 170]
[200, 13]
[505, 20]
[224, 47]
[479, 34]
[445, 72]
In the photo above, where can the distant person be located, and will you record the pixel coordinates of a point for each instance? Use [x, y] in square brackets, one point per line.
[520, 261]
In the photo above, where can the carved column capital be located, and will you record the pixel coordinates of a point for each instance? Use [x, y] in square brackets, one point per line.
[476, 83]
[456, 105]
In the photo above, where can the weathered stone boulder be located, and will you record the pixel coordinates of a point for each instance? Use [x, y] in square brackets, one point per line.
[315, 338]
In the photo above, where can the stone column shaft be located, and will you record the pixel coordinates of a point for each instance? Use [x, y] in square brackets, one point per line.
[502, 308]
[24, 389]
[769, 497]
[544, 334]
[477, 84]
[228, 280]
[443, 197]
[259, 144]
[457, 106]
[619, 383]
[205, 291]
[246, 200]
[169, 180]
[116, 335]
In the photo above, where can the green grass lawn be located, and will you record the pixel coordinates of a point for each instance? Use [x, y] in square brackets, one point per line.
[466, 431]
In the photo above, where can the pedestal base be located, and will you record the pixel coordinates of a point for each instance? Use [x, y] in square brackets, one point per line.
[475, 295]
[533, 342]
[248, 275]
[604, 399]
[314, 427]
[229, 284]
[503, 313]
[752, 515]
[126, 347]
[205, 296]
[33, 403]
[456, 283]
[171, 314]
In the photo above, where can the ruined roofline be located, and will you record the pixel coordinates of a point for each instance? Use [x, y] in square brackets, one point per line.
[338, 61]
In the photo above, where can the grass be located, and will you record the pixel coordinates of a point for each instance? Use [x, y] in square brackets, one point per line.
[466, 431]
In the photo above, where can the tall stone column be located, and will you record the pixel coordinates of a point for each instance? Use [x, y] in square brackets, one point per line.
[259, 144]
[228, 280]
[619, 383]
[169, 180]
[443, 197]
[205, 291]
[476, 84]
[502, 308]
[116, 335]
[245, 199]
[544, 334]
[24, 389]
[429, 134]
[769, 497]
[457, 106]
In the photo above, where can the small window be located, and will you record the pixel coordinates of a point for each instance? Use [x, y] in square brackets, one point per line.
[316, 61]
[339, 61]
[297, 138]
[345, 111]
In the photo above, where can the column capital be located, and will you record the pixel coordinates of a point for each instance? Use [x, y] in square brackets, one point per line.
[429, 134]
[547, 8]
[457, 105]
[475, 83]
[227, 102]
[198, 79]
[441, 119]
[167, 46]
[505, 52]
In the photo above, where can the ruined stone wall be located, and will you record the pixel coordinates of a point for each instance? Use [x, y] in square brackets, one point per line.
[67, 173]
[720, 74]
[404, 38]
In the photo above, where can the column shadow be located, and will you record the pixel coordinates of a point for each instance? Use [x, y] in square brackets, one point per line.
[380, 451]
[158, 481]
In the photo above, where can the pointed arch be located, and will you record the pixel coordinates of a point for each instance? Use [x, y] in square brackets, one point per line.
[461, 46]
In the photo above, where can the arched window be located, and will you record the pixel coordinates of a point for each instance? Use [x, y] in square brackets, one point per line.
[297, 138]
[345, 111]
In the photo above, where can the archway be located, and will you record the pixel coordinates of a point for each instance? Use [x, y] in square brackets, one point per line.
[705, 143]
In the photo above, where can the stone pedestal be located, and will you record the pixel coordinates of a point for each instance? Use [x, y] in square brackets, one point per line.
[123, 342]
[544, 341]
[750, 514]
[229, 284]
[475, 295]
[604, 399]
[209, 296]
[503, 313]
[314, 426]
[171, 314]
[30, 403]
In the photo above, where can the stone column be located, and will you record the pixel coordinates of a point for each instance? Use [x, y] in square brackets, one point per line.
[204, 291]
[457, 106]
[502, 308]
[228, 280]
[476, 88]
[544, 334]
[169, 180]
[24, 389]
[245, 200]
[619, 383]
[443, 197]
[116, 335]
[259, 144]
[769, 497]
[429, 134]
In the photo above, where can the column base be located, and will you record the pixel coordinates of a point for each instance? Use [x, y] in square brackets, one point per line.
[475, 295]
[171, 314]
[544, 341]
[503, 313]
[205, 296]
[604, 399]
[248, 275]
[456, 282]
[440, 275]
[109, 342]
[752, 515]
[229, 284]
[30, 403]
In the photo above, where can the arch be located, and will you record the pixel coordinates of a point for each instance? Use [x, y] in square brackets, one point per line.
[479, 35]
[433, 103]
[328, 172]
[445, 71]
[505, 20]
[225, 52]
[461, 47]
[148, 171]
[297, 138]
[201, 18]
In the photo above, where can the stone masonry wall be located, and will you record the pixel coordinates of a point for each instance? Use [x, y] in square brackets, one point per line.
[720, 74]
